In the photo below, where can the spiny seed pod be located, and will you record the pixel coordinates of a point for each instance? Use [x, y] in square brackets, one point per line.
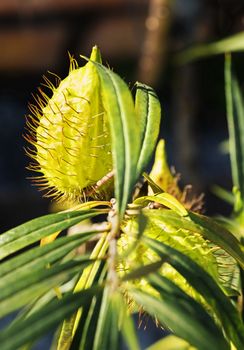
[189, 243]
[70, 134]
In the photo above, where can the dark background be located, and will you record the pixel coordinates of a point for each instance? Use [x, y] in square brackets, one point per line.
[139, 39]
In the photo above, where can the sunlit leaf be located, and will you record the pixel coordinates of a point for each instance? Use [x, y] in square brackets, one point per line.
[119, 105]
[165, 199]
[148, 113]
[32, 231]
[171, 342]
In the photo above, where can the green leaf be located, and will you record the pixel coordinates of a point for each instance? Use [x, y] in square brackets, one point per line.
[113, 319]
[103, 323]
[29, 284]
[171, 342]
[32, 231]
[219, 235]
[143, 271]
[235, 118]
[44, 319]
[230, 44]
[181, 317]
[204, 284]
[119, 105]
[203, 225]
[41, 256]
[200, 330]
[125, 323]
[86, 280]
[84, 334]
[165, 199]
[148, 112]
[156, 189]
[223, 194]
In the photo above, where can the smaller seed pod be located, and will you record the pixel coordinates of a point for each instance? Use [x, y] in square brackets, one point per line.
[189, 243]
[70, 135]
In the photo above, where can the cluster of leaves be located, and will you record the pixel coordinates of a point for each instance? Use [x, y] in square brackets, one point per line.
[152, 254]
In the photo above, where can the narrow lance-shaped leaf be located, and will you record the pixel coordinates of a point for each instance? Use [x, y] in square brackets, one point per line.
[44, 319]
[84, 334]
[119, 105]
[103, 323]
[125, 322]
[32, 231]
[148, 112]
[206, 286]
[216, 233]
[235, 118]
[165, 199]
[113, 319]
[180, 317]
[232, 43]
[42, 256]
[85, 281]
[32, 284]
[205, 331]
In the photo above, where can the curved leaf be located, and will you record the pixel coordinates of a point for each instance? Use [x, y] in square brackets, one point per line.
[44, 319]
[171, 342]
[230, 44]
[41, 256]
[119, 105]
[206, 286]
[203, 225]
[182, 314]
[32, 231]
[148, 112]
[113, 319]
[165, 199]
[33, 283]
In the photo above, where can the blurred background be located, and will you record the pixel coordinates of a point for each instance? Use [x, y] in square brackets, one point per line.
[139, 39]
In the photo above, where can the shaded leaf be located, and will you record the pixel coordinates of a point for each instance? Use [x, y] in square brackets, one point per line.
[33, 283]
[40, 257]
[180, 318]
[230, 44]
[203, 283]
[32, 231]
[86, 280]
[235, 118]
[44, 319]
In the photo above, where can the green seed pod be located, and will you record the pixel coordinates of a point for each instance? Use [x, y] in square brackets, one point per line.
[189, 243]
[70, 134]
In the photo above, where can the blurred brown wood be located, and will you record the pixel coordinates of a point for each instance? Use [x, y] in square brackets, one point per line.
[155, 46]
[10, 6]
[31, 48]
[37, 34]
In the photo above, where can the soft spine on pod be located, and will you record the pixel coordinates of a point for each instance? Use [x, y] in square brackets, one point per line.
[70, 134]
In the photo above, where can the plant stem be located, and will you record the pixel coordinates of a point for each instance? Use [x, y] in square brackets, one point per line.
[113, 218]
